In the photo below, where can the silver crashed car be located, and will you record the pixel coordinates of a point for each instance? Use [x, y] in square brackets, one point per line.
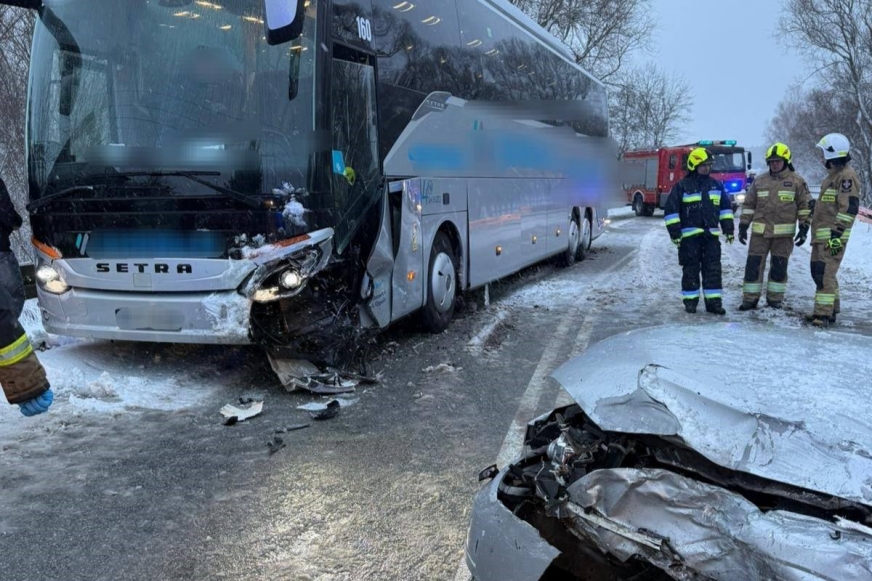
[679, 462]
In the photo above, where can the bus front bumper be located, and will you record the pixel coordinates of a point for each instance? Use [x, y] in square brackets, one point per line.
[209, 318]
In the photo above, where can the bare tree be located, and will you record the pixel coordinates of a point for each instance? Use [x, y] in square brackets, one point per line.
[649, 107]
[16, 30]
[837, 36]
[804, 116]
[600, 33]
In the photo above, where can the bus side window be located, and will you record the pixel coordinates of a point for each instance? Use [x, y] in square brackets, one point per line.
[672, 160]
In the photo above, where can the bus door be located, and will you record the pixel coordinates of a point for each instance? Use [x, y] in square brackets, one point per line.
[355, 183]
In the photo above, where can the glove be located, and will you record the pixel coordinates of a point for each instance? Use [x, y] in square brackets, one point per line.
[834, 245]
[730, 238]
[677, 242]
[802, 234]
[37, 405]
[743, 233]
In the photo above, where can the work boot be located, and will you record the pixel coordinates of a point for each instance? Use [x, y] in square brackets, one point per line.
[817, 320]
[774, 304]
[833, 319]
[748, 305]
[823, 322]
[716, 309]
[690, 307]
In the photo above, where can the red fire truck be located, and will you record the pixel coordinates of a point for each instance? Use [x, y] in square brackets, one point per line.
[653, 172]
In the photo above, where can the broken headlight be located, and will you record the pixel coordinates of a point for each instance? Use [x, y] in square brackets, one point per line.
[283, 278]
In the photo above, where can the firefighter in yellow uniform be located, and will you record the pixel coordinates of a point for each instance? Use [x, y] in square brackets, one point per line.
[834, 214]
[774, 204]
[22, 377]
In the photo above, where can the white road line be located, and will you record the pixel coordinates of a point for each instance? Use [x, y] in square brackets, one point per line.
[476, 344]
[514, 440]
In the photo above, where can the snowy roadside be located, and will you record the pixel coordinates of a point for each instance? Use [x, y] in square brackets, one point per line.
[103, 378]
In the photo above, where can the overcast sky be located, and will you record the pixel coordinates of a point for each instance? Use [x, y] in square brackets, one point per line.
[729, 53]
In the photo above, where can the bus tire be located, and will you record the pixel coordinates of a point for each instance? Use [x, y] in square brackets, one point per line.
[570, 256]
[648, 210]
[585, 238]
[441, 285]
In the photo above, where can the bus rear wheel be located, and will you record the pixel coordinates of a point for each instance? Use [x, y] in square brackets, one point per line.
[569, 256]
[586, 238]
[441, 285]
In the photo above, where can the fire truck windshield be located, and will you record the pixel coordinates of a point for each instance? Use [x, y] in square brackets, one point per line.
[164, 86]
[729, 161]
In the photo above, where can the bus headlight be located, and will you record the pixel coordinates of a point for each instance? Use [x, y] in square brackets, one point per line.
[282, 279]
[290, 279]
[49, 279]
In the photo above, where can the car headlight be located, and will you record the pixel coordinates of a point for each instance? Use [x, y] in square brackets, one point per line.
[49, 279]
[740, 198]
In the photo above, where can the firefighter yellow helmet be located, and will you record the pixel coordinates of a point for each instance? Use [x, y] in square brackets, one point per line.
[778, 151]
[697, 157]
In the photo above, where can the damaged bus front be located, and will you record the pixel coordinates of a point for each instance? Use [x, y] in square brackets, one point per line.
[173, 163]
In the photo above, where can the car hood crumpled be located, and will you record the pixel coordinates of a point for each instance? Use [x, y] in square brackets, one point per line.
[790, 405]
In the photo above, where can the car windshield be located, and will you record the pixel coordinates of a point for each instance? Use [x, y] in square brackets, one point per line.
[167, 86]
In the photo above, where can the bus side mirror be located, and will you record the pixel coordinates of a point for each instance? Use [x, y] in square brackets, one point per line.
[750, 163]
[283, 20]
[31, 4]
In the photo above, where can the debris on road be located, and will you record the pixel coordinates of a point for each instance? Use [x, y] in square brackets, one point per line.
[321, 411]
[289, 369]
[234, 414]
[330, 412]
[323, 383]
[302, 374]
[442, 368]
[275, 444]
[292, 428]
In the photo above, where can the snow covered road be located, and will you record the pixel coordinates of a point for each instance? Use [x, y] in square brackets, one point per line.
[132, 475]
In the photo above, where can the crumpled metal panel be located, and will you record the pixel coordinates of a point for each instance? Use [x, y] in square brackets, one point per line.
[796, 410]
[716, 533]
[501, 546]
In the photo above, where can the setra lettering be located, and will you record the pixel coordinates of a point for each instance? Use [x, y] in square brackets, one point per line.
[142, 268]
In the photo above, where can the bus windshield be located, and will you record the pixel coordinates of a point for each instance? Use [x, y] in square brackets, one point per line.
[150, 87]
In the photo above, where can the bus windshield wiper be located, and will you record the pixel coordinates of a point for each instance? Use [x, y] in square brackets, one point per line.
[246, 199]
[40, 202]
[191, 175]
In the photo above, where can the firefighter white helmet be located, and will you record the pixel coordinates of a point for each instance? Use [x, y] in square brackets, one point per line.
[834, 146]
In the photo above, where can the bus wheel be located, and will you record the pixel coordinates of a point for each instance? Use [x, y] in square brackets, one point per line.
[638, 205]
[442, 285]
[569, 256]
[586, 238]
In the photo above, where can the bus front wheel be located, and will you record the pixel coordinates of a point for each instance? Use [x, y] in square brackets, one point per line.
[441, 285]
